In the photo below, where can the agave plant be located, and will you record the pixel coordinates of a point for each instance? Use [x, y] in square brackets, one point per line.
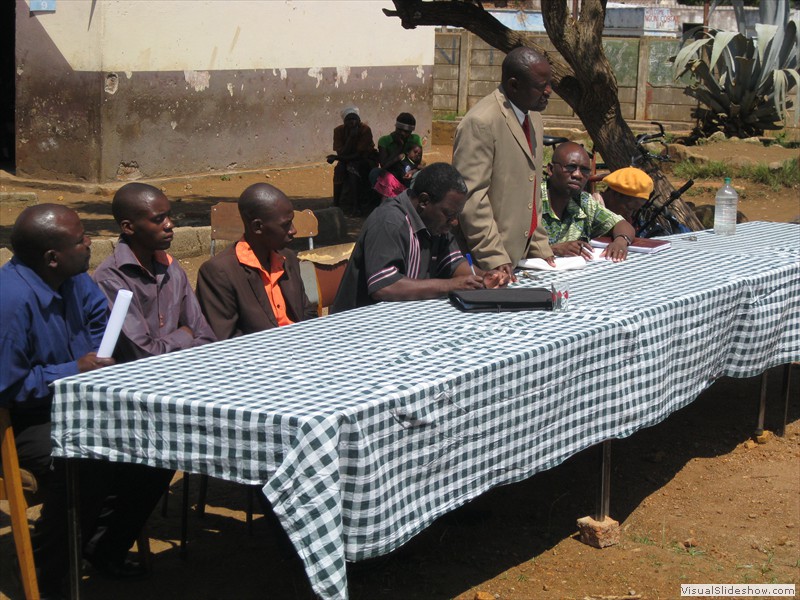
[743, 84]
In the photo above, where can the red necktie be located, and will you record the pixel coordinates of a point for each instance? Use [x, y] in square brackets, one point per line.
[526, 128]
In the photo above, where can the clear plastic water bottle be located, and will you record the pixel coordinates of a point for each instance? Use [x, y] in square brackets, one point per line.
[725, 209]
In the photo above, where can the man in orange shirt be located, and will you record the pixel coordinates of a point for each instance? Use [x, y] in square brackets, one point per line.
[256, 284]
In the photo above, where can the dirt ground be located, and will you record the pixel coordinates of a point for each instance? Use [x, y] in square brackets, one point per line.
[697, 500]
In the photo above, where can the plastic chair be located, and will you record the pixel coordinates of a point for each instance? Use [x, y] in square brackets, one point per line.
[14, 484]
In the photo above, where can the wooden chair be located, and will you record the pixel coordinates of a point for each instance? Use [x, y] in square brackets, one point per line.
[226, 223]
[329, 263]
[307, 226]
[14, 484]
[20, 488]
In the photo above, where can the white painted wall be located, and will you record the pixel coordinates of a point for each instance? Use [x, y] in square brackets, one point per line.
[209, 35]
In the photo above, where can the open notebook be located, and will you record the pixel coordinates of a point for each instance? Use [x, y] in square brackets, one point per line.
[563, 263]
[644, 245]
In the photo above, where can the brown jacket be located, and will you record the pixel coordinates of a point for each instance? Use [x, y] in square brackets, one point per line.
[234, 301]
[502, 176]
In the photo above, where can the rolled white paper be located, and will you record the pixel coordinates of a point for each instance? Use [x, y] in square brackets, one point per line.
[115, 322]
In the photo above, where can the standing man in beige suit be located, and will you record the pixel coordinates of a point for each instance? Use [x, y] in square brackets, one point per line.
[498, 151]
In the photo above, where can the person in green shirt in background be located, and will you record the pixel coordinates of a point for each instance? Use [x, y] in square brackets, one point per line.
[392, 148]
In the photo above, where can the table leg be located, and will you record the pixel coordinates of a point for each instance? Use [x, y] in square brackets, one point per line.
[787, 375]
[73, 528]
[185, 517]
[762, 405]
[604, 496]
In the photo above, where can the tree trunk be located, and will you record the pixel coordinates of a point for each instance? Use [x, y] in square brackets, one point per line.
[587, 83]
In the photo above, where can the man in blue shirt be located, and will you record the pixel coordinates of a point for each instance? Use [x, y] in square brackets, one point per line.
[53, 319]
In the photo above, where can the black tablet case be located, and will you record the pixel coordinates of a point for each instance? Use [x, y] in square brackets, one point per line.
[502, 300]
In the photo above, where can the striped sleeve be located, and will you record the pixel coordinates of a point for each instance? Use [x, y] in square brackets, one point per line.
[391, 252]
[451, 257]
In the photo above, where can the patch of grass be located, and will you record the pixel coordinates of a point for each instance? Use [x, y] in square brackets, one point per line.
[224, 177]
[691, 550]
[643, 539]
[787, 176]
[450, 116]
[693, 191]
[782, 139]
[692, 170]
[766, 566]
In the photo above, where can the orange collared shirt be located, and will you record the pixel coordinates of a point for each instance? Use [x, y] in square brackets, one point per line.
[246, 256]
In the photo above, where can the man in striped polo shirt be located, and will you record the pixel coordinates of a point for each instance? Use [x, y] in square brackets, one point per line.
[406, 250]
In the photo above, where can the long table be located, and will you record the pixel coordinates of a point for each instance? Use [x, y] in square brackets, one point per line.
[366, 426]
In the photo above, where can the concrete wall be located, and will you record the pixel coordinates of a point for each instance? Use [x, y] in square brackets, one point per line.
[145, 88]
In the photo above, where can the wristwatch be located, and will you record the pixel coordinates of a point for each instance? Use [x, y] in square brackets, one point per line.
[627, 239]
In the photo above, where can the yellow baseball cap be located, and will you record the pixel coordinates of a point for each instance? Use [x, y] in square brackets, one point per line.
[631, 182]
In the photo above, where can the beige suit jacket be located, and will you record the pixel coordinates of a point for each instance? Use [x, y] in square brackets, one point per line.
[503, 177]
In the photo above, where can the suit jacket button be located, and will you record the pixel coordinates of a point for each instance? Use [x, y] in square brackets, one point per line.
[530, 204]
[532, 177]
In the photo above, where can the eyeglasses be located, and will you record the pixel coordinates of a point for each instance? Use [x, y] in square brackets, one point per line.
[571, 168]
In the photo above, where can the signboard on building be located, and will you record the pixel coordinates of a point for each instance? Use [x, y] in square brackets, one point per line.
[661, 20]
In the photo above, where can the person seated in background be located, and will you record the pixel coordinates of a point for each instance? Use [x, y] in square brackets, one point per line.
[256, 284]
[164, 314]
[409, 166]
[393, 147]
[571, 216]
[53, 318]
[628, 189]
[355, 157]
[406, 250]
[392, 183]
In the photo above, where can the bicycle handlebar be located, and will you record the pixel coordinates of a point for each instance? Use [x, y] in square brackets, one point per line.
[643, 228]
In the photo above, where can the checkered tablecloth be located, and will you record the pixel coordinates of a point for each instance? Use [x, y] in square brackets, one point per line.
[366, 426]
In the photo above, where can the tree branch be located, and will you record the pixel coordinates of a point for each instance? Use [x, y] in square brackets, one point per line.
[465, 14]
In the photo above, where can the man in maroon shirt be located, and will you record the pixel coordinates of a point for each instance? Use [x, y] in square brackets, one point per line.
[163, 316]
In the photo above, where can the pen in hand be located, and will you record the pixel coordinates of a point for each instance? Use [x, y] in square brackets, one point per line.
[468, 256]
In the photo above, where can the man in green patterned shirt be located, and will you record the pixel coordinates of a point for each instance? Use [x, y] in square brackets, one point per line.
[571, 216]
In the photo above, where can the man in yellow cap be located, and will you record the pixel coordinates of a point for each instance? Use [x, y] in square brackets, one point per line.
[628, 189]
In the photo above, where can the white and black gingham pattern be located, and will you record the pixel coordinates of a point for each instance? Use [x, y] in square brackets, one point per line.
[368, 425]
